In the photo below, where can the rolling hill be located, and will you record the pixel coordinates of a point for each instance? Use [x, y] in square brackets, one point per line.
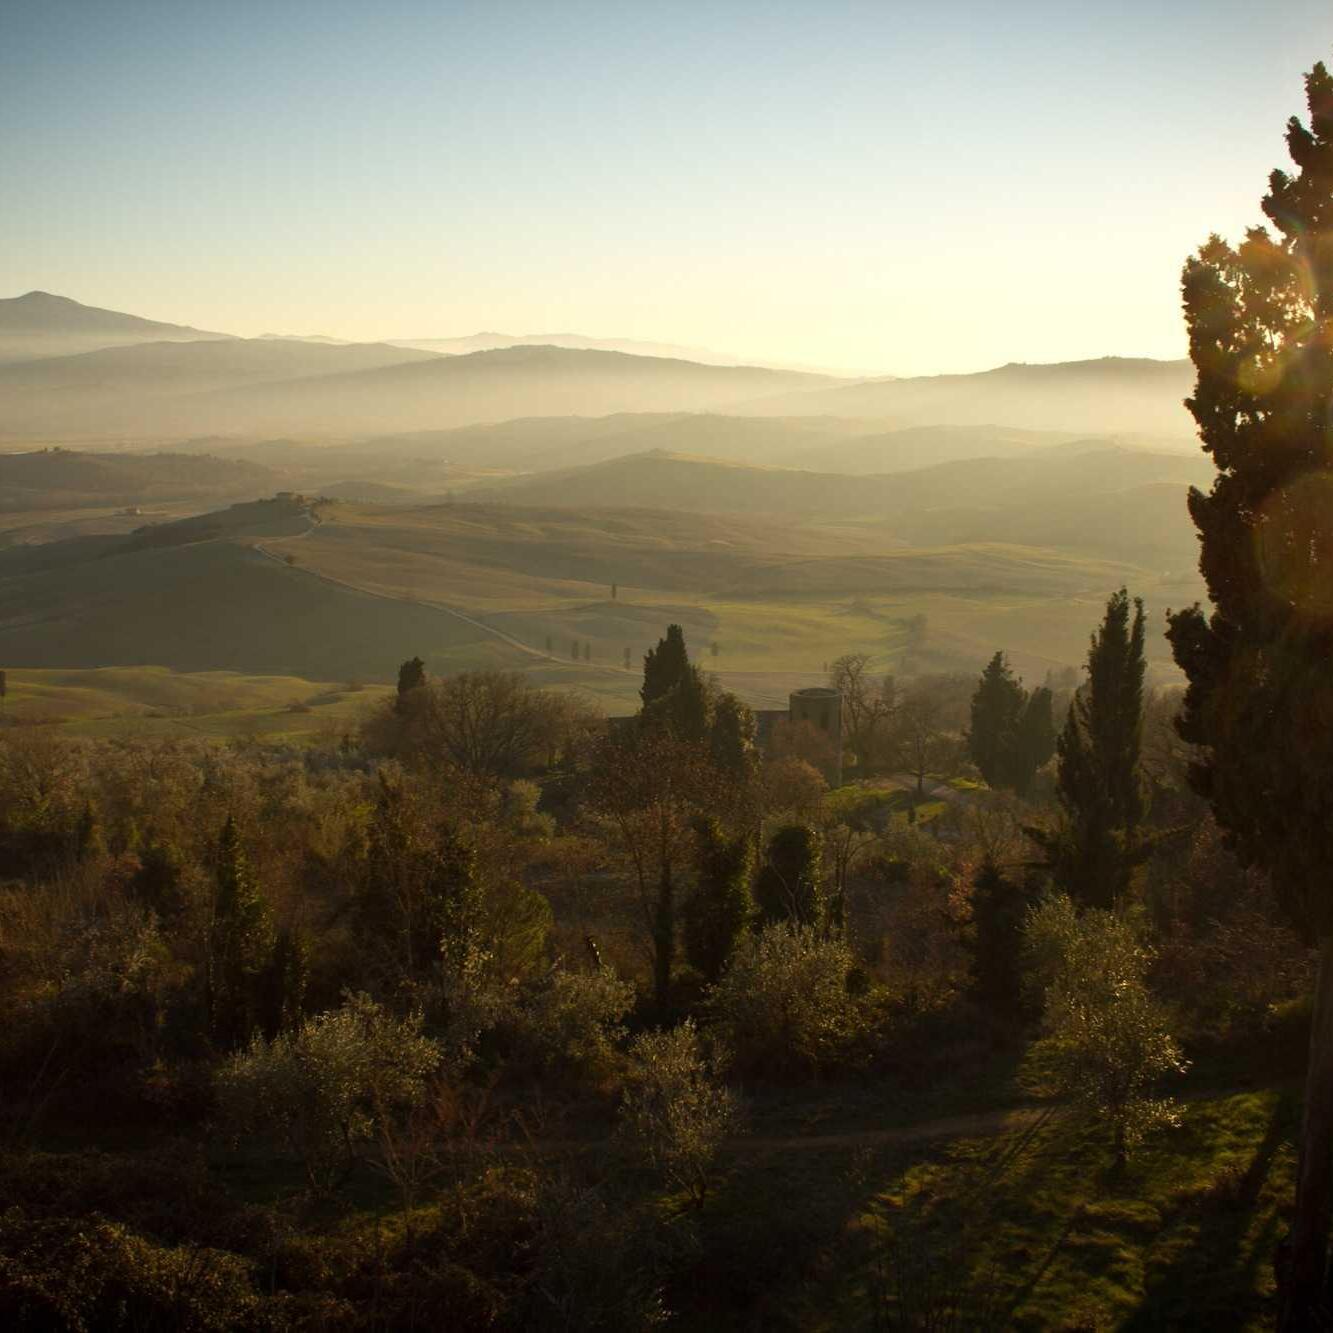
[766, 600]
[1035, 480]
[199, 596]
[39, 325]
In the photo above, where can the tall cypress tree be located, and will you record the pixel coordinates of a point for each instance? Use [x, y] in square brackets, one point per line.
[718, 911]
[1093, 852]
[411, 676]
[240, 943]
[1035, 743]
[1260, 694]
[665, 666]
[675, 695]
[997, 707]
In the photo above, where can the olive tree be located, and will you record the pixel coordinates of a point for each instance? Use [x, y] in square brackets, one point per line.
[675, 1109]
[1106, 1038]
[319, 1091]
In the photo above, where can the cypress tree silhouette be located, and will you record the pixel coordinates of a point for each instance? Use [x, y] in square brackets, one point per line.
[1093, 851]
[997, 708]
[1260, 694]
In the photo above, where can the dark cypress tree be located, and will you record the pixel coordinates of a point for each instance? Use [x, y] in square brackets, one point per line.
[1094, 850]
[731, 737]
[283, 986]
[665, 666]
[411, 676]
[1260, 694]
[717, 913]
[996, 944]
[676, 697]
[790, 886]
[997, 707]
[1035, 741]
[240, 943]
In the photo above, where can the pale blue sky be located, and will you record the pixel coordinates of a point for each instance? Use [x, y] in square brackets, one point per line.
[907, 188]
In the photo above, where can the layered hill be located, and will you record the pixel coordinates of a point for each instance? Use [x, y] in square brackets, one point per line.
[1124, 503]
[66, 479]
[490, 342]
[274, 386]
[39, 325]
[1112, 395]
[136, 390]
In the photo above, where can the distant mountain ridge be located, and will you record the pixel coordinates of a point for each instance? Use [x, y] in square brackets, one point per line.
[1104, 396]
[39, 324]
[275, 386]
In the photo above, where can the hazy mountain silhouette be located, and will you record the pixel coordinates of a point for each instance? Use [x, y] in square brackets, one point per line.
[406, 390]
[39, 324]
[580, 342]
[121, 390]
[1112, 395]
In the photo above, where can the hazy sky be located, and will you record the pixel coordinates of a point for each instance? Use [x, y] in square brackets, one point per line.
[901, 187]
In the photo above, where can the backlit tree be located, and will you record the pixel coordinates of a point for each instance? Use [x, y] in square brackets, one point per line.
[1260, 695]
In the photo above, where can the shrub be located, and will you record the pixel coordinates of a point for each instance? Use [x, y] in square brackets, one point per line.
[783, 1005]
[90, 1274]
[1106, 1038]
[318, 1091]
[675, 1110]
[572, 1021]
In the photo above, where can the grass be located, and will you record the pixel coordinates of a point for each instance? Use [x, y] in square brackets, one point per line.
[780, 599]
[155, 701]
[1036, 1219]
[1184, 1238]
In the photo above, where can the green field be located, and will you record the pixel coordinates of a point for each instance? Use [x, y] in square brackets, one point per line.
[780, 599]
[156, 701]
[574, 599]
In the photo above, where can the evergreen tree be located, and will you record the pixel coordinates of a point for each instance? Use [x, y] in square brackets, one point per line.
[718, 911]
[997, 708]
[665, 666]
[240, 943]
[790, 886]
[1035, 741]
[731, 737]
[1094, 850]
[999, 909]
[411, 676]
[676, 697]
[283, 987]
[1260, 692]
